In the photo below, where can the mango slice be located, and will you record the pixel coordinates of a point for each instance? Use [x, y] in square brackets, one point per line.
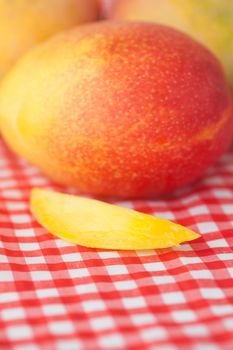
[96, 224]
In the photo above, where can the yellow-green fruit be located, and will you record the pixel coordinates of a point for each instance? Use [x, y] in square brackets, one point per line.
[209, 21]
[23, 23]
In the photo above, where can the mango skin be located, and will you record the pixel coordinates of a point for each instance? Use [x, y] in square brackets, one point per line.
[24, 23]
[208, 21]
[118, 109]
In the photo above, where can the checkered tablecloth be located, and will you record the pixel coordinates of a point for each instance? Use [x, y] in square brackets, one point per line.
[58, 296]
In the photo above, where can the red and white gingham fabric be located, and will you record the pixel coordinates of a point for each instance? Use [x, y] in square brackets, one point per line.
[58, 296]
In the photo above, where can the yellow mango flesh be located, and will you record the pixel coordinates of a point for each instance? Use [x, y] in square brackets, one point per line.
[96, 224]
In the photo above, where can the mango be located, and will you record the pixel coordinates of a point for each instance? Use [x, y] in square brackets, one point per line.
[118, 109]
[96, 224]
[209, 21]
[24, 23]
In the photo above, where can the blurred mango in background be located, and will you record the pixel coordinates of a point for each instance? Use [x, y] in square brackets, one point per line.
[23, 23]
[209, 21]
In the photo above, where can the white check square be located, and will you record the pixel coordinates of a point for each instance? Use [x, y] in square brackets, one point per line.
[19, 332]
[228, 322]
[86, 288]
[182, 316]
[68, 345]
[153, 334]
[47, 293]
[212, 293]
[218, 243]
[61, 327]
[72, 257]
[30, 260]
[13, 314]
[54, 309]
[225, 256]
[78, 273]
[173, 298]
[222, 310]
[201, 274]
[207, 227]
[102, 323]
[93, 305]
[200, 209]
[125, 285]
[196, 330]
[227, 208]
[6, 276]
[155, 266]
[20, 219]
[41, 275]
[111, 340]
[29, 246]
[163, 279]
[142, 319]
[134, 302]
[117, 270]
[26, 232]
